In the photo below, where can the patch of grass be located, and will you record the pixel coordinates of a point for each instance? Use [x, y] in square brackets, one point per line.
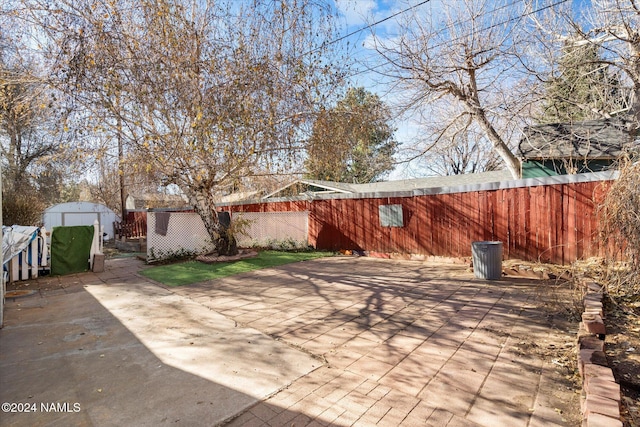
[186, 273]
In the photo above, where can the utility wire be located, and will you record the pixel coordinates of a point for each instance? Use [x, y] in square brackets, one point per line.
[540, 9]
[359, 30]
[404, 11]
[378, 22]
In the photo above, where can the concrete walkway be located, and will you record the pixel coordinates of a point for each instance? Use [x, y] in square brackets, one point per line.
[336, 341]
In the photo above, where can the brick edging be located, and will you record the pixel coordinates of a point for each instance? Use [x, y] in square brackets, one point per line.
[600, 401]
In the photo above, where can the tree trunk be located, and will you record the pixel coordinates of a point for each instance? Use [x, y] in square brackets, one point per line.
[223, 241]
[510, 160]
[123, 195]
[635, 106]
[634, 73]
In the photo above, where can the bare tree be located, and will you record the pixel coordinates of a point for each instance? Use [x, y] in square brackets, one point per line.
[596, 45]
[465, 54]
[204, 92]
[580, 87]
[37, 163]
[467, 151]
[461, 147]
[586, 60]
[613, 26]
[21, 126]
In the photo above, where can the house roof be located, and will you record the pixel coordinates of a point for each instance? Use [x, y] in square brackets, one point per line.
[592, 139]
[155, 200]
[238, 197]
[313, 187]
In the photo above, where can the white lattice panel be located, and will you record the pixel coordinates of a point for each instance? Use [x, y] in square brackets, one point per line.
[274, 228]
[185, 234]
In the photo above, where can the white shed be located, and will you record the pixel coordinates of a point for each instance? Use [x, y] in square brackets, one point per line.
[80, 213]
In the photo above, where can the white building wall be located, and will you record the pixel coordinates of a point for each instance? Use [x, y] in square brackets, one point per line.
[80, 213]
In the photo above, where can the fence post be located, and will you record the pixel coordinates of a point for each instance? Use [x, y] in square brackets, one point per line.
[24, 263]
[33, 257]
[95, 243]
[43, 249]
[14, 269]
[149, 235]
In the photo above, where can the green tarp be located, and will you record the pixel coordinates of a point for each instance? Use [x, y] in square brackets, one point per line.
[70, 249]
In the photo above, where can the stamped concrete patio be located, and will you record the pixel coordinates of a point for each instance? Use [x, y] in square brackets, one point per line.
[404, 343]
[337, 341]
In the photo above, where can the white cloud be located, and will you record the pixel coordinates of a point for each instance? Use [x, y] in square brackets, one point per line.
[356, 12]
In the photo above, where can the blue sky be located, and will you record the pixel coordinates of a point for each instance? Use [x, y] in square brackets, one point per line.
[357, 14]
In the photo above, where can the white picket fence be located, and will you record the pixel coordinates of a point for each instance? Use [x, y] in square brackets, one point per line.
[26, 259]
[26, 252]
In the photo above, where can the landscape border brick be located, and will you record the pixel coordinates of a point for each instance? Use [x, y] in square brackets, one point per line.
[600, 393]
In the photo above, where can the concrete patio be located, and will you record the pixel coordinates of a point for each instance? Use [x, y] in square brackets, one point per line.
[337, 341]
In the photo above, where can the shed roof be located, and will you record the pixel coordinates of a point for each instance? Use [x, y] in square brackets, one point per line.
[592, 139]
[327, 187]
[72, 207]
[155, 200]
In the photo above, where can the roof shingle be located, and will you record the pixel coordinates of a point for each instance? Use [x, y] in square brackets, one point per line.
[593, 139]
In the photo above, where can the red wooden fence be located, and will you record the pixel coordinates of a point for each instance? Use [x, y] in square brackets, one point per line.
[547, 223]
[134, 225]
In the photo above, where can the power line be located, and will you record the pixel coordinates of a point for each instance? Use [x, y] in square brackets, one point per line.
[504, 6]
[540, 9]
[406, 10]
[359, 30]
[378, 22]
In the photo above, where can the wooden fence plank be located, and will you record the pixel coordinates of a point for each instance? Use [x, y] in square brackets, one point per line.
[550, 223]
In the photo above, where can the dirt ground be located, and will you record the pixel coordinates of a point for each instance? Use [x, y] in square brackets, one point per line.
[622, 345]
[561, 297]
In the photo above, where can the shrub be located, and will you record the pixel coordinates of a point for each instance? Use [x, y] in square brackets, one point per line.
[620, 227]
[25, 208]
